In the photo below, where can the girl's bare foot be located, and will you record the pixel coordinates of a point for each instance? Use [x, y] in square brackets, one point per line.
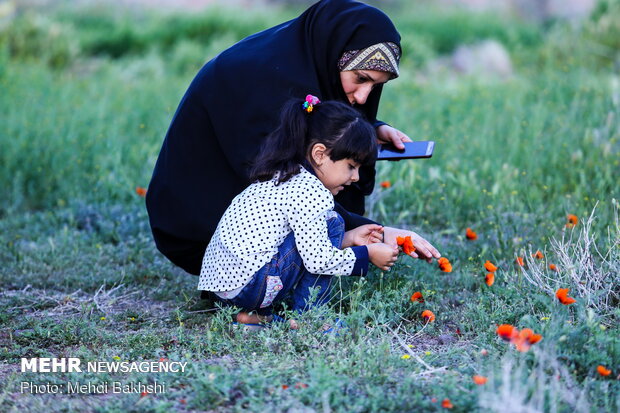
[247, 318]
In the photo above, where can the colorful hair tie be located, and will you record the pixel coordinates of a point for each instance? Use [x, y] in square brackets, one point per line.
[308, 105]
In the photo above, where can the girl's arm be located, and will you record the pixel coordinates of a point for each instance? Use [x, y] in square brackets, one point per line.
[306, 206]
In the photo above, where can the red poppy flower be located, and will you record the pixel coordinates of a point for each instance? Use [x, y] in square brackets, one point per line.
[603, 371]
[526, 333]
[408, 247]
[553, 267]
[284, 386]
[572, 220]
[417, 297]
[535, 338]
[507, 332]
[300, 385]
[479, 380]
[526, 338]
[143, 394]
[519, 261]
[538, 255]
[489, 279]
[471, 235]
[428, 316]
[406, 243]
[522, 339]
[562, 295]
[489, 266]
[385, 184]
[141, 191]
[444, 264]
[447, 404]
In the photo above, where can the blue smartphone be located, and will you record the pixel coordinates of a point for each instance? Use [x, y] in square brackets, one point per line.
[413, 150]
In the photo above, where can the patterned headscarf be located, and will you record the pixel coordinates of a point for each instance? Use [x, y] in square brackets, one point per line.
[383, 57]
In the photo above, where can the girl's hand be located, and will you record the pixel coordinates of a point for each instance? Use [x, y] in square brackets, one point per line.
[388, 134]
[363, 235]
[382, 255]
[423, 249]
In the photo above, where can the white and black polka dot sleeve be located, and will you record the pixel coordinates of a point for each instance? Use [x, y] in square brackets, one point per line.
[307, 206]
[257, 222]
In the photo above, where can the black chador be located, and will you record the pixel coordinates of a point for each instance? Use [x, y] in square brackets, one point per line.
[234, 102]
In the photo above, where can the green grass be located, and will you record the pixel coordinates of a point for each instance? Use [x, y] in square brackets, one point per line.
[81, 126]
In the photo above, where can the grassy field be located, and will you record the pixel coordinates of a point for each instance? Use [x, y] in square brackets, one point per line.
[87, 95]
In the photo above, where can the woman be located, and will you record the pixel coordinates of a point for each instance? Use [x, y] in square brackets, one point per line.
[234, 102]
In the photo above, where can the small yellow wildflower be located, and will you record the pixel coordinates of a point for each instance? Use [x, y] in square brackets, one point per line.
[117, 358]
[102, 318]
[405, 357]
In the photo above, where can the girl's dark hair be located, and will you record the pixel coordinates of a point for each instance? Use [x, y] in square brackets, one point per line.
[342, 129]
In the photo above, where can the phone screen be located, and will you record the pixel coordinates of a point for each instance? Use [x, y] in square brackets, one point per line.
[413, 150]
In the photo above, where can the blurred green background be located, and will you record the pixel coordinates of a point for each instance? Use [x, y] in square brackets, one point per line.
[524, 107]
[523, 100]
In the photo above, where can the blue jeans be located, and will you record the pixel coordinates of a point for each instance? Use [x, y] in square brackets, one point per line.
[285, 274]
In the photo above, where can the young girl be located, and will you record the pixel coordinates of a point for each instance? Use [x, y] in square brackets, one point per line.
[281, 234]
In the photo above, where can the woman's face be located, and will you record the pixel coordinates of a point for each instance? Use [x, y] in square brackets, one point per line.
[357, 84]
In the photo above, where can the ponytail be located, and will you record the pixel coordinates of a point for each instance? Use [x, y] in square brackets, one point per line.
[284, 149]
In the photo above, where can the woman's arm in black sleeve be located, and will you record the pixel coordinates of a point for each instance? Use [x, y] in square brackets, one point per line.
[351, 220]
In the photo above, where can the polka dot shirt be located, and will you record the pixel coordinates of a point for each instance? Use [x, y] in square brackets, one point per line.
[256, 223]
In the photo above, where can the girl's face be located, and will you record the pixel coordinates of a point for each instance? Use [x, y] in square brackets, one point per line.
[335, 175]
[357, 84]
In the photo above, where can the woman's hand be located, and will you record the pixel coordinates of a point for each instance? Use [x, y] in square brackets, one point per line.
[388, 134]
[423, 249]
[382, 255]
[363, 235]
